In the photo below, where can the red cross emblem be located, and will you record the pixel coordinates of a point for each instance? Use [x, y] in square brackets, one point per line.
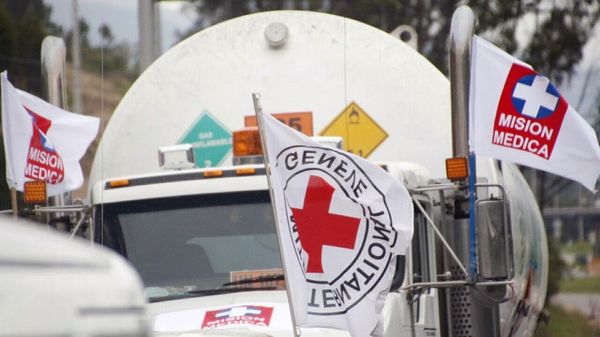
[317, 227]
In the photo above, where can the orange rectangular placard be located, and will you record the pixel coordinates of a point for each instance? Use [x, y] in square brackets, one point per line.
[301, 121]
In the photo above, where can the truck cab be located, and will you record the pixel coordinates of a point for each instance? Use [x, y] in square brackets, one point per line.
[205, 238]
[204, 241]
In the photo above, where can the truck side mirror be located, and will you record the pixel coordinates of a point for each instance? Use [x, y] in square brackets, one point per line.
[494, 243]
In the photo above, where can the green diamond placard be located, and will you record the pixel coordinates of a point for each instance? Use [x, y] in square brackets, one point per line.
[210, 140]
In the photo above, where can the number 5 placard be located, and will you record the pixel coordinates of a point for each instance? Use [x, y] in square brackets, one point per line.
[301, 121]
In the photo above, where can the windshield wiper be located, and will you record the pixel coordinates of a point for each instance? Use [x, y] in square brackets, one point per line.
[226, 288]
[263, 278]
[217, 291]
[206, 292]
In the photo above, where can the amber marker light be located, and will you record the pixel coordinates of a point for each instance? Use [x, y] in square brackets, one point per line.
[457, 168]
[213, 173]
[242, 171]
[246, 142]
[118, 183]
[34, 192]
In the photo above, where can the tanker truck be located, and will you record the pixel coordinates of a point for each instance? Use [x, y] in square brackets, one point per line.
[179, 189]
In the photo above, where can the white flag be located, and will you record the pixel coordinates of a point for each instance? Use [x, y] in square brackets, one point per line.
[518, 115]
[42, 141]
[342, 221]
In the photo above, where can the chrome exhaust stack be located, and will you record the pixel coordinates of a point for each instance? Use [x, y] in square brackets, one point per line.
[468, 315]
[53, 57]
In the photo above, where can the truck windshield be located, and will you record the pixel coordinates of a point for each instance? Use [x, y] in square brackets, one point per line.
[191, 243]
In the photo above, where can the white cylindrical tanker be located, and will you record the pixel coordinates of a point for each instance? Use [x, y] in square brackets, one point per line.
[323, 64]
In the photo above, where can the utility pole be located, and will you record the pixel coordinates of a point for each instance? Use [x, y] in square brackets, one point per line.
[149, 33]
[76, 53]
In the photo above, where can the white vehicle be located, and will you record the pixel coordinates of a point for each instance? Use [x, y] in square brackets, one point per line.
[203, 238]
[52, 286]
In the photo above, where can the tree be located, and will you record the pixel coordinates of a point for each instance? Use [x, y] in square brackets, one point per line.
[106, 33]
[25, 23]
[556, 269]
[559, 32]
[8, 38]
[23, 26]
[110, 56]
[563, 30]
[84, 31]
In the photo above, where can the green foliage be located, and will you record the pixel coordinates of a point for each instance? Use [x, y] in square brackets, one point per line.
[4, 191]
[596, 124]
[84, 40]
[23, 26]
[561, 28]
[555, 267]
[581, 285]
[579, 247]
[561, 36]
[555, 191]
[8, 38]
[565, 324]
[109, 56]
[110, 59]
[106, 33]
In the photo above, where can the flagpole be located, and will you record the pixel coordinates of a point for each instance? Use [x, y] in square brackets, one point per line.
[473, 270]
[259, 121]
[13, 203]
[53, 56]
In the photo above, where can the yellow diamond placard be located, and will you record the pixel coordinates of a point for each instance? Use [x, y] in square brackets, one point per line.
[361, 134]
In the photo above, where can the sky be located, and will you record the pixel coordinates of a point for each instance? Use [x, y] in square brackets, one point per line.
[121, 17]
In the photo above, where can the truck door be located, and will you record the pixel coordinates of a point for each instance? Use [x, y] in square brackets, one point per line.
[424, 301]
[415, 312]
